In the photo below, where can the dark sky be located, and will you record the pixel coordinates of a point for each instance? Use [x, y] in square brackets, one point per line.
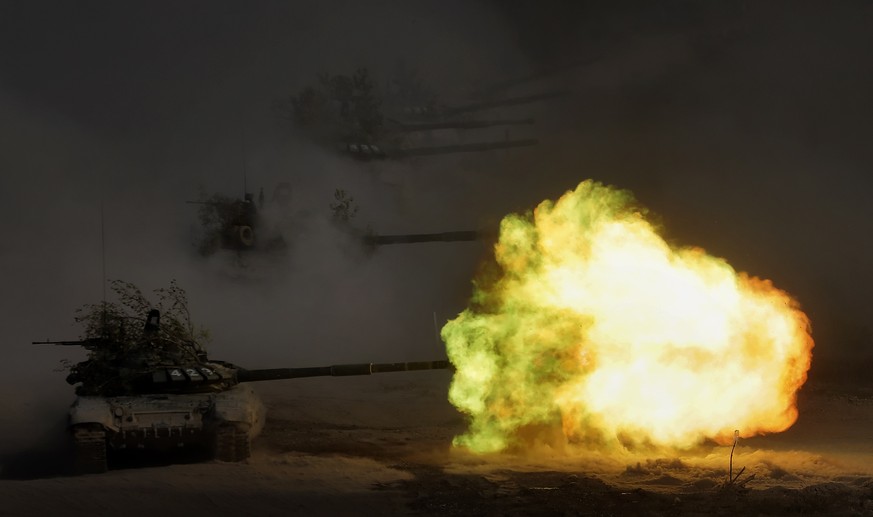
[744, 125]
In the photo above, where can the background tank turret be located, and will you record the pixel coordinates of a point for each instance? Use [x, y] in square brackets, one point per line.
[151, 385]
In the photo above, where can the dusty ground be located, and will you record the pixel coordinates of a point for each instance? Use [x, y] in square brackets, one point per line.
[381, 445]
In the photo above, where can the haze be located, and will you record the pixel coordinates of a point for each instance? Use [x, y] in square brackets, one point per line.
[744, 126]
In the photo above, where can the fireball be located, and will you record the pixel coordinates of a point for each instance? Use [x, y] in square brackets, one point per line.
[591, 323]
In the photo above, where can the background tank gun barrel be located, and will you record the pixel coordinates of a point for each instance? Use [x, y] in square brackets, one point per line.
[462, 124]
[79, 342]
[542, 74]
[413, 238]
[374, 152]
[461, 148]
[337, 370]
[510, 101]
[247, 199]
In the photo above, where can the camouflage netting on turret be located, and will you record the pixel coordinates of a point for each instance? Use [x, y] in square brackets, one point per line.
[125, 345]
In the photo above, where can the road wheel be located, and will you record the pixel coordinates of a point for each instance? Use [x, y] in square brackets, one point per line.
[90, 443]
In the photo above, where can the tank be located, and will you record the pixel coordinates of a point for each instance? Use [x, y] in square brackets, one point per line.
[163, 394]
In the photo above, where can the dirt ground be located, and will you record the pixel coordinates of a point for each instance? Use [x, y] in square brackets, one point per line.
[382, 445]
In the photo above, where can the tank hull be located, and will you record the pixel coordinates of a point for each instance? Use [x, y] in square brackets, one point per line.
[224, 421]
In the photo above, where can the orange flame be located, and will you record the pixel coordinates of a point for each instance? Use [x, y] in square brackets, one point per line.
[594, 322]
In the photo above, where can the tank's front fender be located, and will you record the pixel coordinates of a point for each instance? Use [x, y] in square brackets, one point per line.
[92, 410]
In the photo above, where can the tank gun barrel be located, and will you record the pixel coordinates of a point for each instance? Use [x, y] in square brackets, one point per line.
[410, 127]
[413, 238]
[542, 74]
[374, 152]
[79, 342]
[220, 203]
[337, 370]
[510, 101]
[462, 148]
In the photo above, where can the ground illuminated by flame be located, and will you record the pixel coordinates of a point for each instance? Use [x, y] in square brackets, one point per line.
[592, 323]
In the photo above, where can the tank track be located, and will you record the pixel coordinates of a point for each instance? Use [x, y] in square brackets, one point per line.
[232, 443]
[90, 443]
